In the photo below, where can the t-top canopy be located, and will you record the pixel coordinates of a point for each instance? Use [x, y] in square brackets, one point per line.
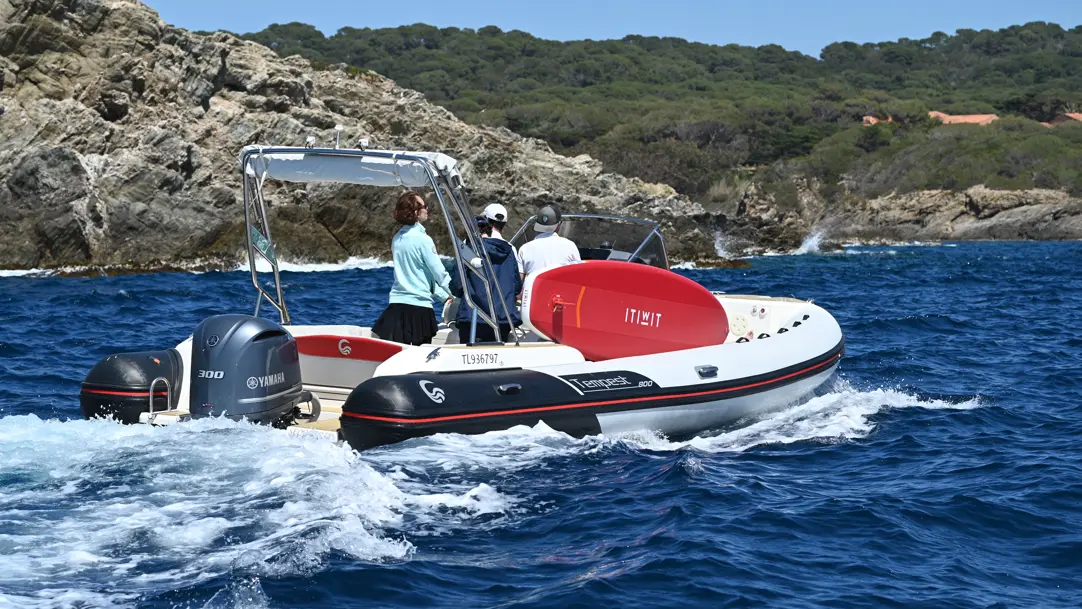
[385, 168]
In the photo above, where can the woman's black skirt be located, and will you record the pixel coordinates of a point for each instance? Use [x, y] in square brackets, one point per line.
[408, 324]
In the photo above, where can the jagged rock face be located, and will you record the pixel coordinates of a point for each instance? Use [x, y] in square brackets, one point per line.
[119, 137]
[978, 213]
[120, 134]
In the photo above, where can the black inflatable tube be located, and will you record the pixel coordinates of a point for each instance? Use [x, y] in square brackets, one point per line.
[118, 385]
[387, 410]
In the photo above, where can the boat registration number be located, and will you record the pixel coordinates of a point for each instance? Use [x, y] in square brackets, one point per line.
[481, 359]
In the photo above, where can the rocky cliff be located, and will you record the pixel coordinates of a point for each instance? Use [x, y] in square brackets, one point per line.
[120, 134]
[119, 137]
[780, 219]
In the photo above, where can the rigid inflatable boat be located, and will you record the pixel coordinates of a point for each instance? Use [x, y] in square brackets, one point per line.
[617, 343]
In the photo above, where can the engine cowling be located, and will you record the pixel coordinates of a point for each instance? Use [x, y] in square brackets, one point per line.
[125, 385]
[244, 367]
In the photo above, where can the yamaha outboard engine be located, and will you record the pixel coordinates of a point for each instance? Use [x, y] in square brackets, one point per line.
[244, 367]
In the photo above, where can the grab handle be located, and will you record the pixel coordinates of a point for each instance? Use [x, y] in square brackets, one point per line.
[707, 372]
[509, 389]
[168, 398]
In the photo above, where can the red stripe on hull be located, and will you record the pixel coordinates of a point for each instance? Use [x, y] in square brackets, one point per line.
[130, 394]
[459, 417]
[347, 347]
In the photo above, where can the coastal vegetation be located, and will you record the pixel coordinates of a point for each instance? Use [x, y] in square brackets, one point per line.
[707, 119]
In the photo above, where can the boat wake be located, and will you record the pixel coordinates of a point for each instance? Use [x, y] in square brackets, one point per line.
[842, 414]
[156, 509]
[159, 509]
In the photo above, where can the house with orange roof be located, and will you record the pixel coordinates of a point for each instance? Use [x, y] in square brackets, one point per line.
[875, 120]
[964, 119]
[1066, 118]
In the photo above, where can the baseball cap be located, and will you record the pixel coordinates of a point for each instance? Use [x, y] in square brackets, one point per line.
[548, 217]
[496, 212]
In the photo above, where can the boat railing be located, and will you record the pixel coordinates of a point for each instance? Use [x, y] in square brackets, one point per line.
[449, 192]
[650, 232]
[260, 243]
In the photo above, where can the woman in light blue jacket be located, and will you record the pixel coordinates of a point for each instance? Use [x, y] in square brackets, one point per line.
[419, 278]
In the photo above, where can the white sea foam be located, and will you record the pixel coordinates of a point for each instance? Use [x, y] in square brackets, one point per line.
[810, 245]
[813, 243]
[354, 262]
[863, 252]
[246, 594]
[508, 449]
[721, 245]
[154, 509]
[23, 272]
[843, 414]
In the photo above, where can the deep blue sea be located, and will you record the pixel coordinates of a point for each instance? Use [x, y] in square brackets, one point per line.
[943, 469]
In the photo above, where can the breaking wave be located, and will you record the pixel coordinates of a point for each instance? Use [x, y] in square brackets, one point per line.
[810, 245]
[352, 263]
[22, 272]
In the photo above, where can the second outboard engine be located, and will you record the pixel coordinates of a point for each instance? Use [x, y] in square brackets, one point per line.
[244, 367]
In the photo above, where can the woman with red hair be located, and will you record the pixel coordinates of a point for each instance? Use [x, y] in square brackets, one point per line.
[419, 277]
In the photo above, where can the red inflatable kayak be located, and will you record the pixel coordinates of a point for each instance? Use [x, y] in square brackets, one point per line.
[608, 309]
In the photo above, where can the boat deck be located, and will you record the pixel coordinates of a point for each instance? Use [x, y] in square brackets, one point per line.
[328, 422]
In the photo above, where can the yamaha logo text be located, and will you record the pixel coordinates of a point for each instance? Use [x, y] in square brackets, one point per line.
[255, 382]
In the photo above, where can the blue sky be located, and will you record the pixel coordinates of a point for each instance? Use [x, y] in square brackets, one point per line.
[803, 25]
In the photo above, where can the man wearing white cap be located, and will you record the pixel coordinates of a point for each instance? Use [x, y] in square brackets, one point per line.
[548, 248]
[496, 215]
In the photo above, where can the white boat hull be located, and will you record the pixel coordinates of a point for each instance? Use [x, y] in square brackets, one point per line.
[373, 392]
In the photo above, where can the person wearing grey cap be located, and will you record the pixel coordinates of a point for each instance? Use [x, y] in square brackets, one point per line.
[548, 248]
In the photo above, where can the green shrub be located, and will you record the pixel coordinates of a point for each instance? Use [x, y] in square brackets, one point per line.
[684, 113]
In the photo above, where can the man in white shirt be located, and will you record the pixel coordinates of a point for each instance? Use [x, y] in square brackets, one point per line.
[496, 215]
[548, 248]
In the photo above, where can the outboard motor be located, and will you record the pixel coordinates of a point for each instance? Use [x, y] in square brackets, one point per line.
[125, 385]
[244, 367]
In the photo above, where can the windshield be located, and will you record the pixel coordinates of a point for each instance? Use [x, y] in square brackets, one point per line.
[607, 238]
